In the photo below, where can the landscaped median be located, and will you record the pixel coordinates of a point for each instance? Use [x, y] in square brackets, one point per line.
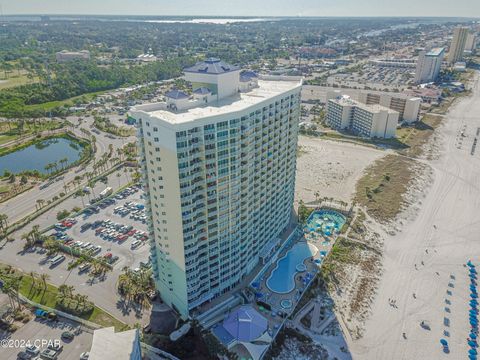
[38, 290]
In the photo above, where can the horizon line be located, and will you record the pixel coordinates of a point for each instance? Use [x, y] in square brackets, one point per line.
[255, 16]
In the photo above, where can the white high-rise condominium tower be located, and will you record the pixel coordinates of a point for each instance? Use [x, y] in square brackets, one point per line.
[428, 65]
[219, 168]
[457, 46]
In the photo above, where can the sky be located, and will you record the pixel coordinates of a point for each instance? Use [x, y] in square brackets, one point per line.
[448, 8]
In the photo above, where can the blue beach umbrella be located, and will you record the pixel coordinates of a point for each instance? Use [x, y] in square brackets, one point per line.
[473, 295]
[472, 352]
[472, 344]
[444, 342]
[473, 336]
[472, 357]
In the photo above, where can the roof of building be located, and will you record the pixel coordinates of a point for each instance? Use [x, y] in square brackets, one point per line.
[266, 89]
[246, 76]
[211, 66]
[435, 52]
[345, 100]
[107, 344]
[202, 91]
[245, 324]
[176, 94]
[222, 334]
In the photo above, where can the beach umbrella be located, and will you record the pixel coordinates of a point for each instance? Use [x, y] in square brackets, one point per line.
[473, 287]
[472, 357]
[469, 263]
[475, 302]
[473, 295]
[444, 342]
[473, 344]
[473, 336]
[472, 352]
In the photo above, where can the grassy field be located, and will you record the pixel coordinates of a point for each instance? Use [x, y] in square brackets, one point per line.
[48, 296]
[67, 102]
[417, 136]
[381, 188]
[16, 80]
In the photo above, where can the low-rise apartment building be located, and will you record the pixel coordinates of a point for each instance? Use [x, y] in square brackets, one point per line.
[372, 121]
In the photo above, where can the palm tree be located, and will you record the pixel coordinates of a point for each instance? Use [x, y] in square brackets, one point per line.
[36, 233]
[63, 162]
[3, 221]
[33, 275]
[44, 277]
[62, 293]
[48, 167]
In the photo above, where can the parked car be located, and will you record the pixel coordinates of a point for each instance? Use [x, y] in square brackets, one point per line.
[23, 355]
[32, 349]
[67, 335]
[49, 354]
[56, 347]
[84, 355]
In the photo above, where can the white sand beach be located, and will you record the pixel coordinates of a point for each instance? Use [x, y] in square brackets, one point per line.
[330, 168]
[424, 270]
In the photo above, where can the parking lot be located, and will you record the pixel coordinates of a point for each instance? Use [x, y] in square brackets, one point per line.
[44, 333]
[116, 229]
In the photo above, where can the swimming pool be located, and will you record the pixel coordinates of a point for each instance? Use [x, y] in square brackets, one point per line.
[325, 221]
[282, 279]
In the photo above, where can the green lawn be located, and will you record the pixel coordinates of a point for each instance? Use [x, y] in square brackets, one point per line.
[69, 102]
[47, 297]
[15, 80]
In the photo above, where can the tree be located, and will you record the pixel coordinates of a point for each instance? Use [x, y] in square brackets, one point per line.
[44, 277]
[23, 180]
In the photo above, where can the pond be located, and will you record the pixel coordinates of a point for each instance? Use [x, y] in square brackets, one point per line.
[37, 156]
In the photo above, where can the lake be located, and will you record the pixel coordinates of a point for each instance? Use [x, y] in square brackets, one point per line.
[37, 156]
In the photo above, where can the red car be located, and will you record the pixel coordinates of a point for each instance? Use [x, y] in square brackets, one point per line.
[107, 255]
[131, 232]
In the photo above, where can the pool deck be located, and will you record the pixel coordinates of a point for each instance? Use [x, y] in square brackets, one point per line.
[274, 299]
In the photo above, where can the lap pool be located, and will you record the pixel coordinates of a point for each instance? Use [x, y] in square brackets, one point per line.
[282, 279]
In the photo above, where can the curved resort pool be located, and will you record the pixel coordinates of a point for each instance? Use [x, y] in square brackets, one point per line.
[282, 279]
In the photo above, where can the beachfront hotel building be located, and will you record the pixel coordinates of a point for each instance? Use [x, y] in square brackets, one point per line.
[371, 121]
[429, 65]
[219, 172]
[408, 107]
[457, 45]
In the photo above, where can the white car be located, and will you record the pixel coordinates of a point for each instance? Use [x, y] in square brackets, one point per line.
[136, 244]
[32, 349]
[84, 355]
